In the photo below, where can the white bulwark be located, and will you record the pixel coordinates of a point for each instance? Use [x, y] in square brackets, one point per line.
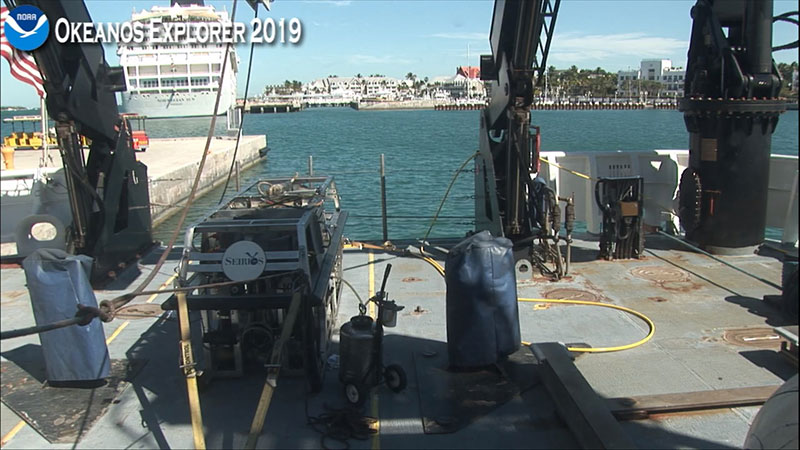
[177, 80]
[629, 82]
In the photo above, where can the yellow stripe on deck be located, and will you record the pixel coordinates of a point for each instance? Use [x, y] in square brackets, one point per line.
[376, 438]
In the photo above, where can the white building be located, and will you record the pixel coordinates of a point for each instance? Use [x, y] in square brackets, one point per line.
[660, 70]
[459, 86]
[375, 87]
[381, 87]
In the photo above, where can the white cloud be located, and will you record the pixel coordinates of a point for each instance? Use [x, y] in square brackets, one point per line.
[577, 48]
[463, 36]
[371, 59]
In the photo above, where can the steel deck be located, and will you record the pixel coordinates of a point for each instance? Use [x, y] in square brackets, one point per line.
[692, 299]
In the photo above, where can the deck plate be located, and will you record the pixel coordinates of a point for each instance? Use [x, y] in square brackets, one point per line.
[62, 414]
[451, 400]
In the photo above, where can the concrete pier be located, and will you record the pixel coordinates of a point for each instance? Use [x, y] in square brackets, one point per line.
[437, 105]
[390, 105]
[274, 107]
[171, 167]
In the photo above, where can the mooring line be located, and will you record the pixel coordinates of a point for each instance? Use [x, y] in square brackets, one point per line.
[21, 424]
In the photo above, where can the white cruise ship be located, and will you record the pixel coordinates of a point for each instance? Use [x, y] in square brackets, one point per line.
[177, 80]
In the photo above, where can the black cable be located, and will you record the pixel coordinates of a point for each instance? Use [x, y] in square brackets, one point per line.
[107, 308]
[241, 124]
[39, 329]
[83, 316]
[341, 425]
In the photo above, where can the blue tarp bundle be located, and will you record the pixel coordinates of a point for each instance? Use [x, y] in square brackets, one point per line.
[57, 282]
[482, 312]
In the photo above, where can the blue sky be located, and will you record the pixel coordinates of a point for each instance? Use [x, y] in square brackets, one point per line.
[431, 38]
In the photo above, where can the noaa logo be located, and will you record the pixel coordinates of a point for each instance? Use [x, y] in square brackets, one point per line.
[244, 260]
[26, 27]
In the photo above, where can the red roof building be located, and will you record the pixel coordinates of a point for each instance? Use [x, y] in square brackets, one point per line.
[469, 71]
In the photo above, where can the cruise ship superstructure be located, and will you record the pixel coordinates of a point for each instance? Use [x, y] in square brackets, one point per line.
[174, 79]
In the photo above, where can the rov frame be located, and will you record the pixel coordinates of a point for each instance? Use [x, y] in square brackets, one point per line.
[302, 243]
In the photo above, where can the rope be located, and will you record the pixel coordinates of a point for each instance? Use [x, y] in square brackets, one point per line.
[86, 314]
[582, 175]
[107, 308]
[698, 249]
[241, 124]
[39, 329]
[447, 192]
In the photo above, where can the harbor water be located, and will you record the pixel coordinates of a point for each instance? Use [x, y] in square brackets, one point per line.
[423, 149]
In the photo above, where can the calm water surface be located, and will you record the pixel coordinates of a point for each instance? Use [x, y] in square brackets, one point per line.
[423, 149]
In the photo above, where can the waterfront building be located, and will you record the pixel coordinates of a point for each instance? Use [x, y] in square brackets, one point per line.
[466, 83]
[381, 87]
[470, 72]
[629, 82]
[356, 87]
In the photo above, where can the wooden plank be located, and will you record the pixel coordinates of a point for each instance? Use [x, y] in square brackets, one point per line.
[640, 407]
[584, 412]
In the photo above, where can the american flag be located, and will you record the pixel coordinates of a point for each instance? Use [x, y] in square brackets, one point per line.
[23, 66]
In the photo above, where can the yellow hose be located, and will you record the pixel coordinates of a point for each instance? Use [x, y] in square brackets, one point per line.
[604, 305]
[647, 320]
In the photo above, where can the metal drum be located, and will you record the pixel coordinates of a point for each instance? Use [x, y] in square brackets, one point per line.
[356, 349]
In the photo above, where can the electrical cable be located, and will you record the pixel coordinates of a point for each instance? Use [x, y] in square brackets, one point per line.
[340, 425]
[241, 123]
[347, 283]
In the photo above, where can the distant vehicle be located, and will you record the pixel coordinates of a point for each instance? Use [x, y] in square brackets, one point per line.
[22, 138]
[138, 132]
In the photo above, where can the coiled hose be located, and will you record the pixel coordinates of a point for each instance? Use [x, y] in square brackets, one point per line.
[647, 320]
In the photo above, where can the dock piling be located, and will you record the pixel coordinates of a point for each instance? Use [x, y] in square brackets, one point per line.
[310, 165]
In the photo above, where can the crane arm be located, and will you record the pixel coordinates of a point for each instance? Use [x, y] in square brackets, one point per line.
[520, 42]
[108, 189]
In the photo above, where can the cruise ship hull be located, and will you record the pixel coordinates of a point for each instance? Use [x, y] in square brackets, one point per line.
[177, 104]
